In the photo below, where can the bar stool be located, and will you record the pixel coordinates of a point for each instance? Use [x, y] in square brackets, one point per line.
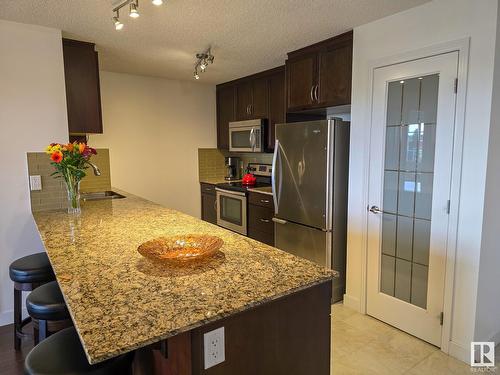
[62, 353]
[48, 310]
[27, 273]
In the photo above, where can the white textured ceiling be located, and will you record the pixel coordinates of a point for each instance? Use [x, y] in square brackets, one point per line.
[246, 36]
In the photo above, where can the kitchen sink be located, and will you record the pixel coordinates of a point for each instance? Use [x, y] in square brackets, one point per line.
[101, 195]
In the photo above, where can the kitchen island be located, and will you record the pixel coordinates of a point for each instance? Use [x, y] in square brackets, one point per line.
[275, 307]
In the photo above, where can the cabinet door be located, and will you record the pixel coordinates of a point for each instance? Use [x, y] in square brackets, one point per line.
[301, 78]
[225, 114]
[208, 210]
[335, 75]
[260, 98]
[83, 97]
[243, 100]
[276, 106]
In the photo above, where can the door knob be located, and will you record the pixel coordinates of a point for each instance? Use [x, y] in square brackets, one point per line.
[375, 210]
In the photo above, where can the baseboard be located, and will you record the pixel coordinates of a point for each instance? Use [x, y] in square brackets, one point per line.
[352, 302]
[459, 352]
[7, 317]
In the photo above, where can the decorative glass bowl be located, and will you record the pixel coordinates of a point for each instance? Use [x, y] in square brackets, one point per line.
[181, 249]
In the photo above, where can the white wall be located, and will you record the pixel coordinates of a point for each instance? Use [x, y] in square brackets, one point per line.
[488, 303]
[153, 128]
[32, 114]
[427, 25]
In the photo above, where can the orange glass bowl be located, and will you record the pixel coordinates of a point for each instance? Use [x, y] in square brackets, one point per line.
[180, 249]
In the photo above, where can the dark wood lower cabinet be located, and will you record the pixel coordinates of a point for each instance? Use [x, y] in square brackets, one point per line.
[260, 218]
[288, 336]
[208, 204]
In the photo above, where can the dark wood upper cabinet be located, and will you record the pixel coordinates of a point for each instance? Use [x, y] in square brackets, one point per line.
[320, 75]
[276, 105]
[83, 96]
[335, 75]
[225, 114]
[243, 100]
[259, 96]
[301, 79]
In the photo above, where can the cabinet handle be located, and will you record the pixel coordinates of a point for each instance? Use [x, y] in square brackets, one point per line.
[251, 109]
[316, 93]
[311, 93]
[265, 220]
[208, 189]
[215, 205]
[264, 201]
[248, 109]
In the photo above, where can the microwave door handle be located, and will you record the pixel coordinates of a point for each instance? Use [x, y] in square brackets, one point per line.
[252, 139]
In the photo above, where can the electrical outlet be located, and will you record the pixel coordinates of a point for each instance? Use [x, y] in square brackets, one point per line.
[213, 344]
[36, 182]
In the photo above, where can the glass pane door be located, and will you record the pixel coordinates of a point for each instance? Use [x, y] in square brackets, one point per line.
[407, 188]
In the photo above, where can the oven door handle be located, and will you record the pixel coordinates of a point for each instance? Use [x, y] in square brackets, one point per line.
[230, 192]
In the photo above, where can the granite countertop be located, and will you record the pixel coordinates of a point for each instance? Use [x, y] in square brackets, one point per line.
[119, 301]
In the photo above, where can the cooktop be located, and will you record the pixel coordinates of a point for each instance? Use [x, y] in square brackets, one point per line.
[239, 186]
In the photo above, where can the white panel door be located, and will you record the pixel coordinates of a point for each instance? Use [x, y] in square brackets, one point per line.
[409, 187]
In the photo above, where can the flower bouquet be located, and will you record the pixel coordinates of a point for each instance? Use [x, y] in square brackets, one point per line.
[70, 161]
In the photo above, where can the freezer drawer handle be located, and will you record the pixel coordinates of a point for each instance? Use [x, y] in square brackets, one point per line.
[265, 220]
[264, 201]
[279, 221]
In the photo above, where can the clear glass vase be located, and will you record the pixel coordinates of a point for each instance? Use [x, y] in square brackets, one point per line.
[73, 188]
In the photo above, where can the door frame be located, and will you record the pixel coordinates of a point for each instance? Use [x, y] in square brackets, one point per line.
[462, 47]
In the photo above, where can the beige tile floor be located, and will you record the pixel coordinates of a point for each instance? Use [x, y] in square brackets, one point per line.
[364, 345]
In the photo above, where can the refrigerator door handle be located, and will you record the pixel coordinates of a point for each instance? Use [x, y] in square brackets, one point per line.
[279, 221]
[273, 176]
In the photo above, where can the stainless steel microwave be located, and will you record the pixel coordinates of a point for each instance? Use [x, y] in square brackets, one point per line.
[247, 136]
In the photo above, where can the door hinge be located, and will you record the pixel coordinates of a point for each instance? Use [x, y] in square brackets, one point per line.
[441, 318]
[448, 207]
[456, 85]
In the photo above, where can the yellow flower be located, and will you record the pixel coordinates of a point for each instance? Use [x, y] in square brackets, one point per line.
[81, 147]
[48, 149]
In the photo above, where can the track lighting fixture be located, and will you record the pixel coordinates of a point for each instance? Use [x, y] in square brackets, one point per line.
[202, 62]
[133, 10]
[116, 20]
[134, 13]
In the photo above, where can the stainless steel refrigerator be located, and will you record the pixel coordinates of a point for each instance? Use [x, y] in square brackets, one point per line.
[309, 177]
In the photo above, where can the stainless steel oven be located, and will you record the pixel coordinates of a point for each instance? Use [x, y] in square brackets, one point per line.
[232, 210]
[246, 136]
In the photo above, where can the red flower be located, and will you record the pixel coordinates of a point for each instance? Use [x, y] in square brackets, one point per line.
[56, 157]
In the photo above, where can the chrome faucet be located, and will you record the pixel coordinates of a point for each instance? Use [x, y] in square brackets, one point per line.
[97, 172]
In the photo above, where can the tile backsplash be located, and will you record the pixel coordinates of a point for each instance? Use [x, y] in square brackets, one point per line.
[211, 162]
[53, 194]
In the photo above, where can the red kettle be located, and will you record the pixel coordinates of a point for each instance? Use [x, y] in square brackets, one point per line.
[249, 179]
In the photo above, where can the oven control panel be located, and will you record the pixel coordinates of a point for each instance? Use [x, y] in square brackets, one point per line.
[260, 169]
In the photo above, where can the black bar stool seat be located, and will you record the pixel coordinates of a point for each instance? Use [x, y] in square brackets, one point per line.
[62, 353]
[27, 273]
[33, 268]
[47, 308]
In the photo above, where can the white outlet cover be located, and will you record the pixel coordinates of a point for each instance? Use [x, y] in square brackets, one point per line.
[36, 182]
[213, 345]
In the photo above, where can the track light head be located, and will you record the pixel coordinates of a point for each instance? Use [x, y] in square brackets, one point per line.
[118, 24]
[134, 13]
[196, 75]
